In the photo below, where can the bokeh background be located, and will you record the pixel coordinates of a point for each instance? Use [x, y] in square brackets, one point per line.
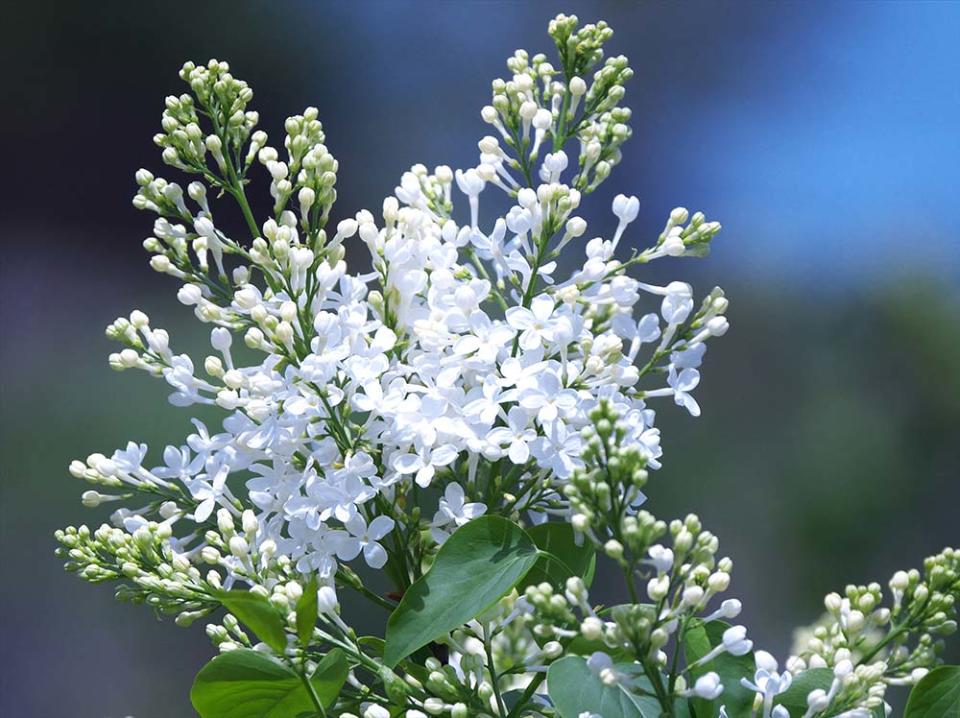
[823, 135]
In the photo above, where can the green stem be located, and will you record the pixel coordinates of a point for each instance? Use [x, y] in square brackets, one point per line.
[527, 695]
[896, 632]
[241, 198]
[628, 578]
[560, 139]
[672, 680]
[235, 185]
[493, 673]
[654, 677]
[351, 580]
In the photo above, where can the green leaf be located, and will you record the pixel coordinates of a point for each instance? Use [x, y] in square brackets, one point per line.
[795, 698]
[475, 568]
[559, 540]
[698, 640]
[307, 612]
[330, 676]
[574, 689]
[374, 645]
[249, 684]
[259, 616]
[937, 695]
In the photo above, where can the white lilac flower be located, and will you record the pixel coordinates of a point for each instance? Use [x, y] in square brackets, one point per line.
[515, 437]
[768, 683]
[453, 511]
[708, 686]
[209, 489]
[682, 384]
[364, 538]
[548, 398]
[537, 325]
[461, 352]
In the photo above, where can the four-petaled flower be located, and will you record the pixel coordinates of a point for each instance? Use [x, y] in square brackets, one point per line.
[364, 537]
[454, 511]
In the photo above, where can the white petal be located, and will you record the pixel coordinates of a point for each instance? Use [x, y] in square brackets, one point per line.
[519, 451]
[380, 527]
[499, 435]
[425, 476]
[348, 549]
[443, 455]
[689, 378]
[530, 340]
[454, 495]
[472, 510]
[204, 510]
[466, 345]
[519, 317]
[374, 554]
[542, 307]
[407, 463]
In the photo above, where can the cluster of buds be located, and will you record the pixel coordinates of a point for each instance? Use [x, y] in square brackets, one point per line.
[524, 633]
[228, 635]
[553, 610]
[855, 692]
[692, 240]
[156, 574]
[310, 172]
[144, 347]
[604, 495]
[579, 49]
[423, 190]
[295, 274]
[165, 198]
[171, 240]
[104, 472]
[681, 580]
[541, 101]
[602, 125]
[437, 689]
[857, 618]
[550, 209]
[708, 321]
[600, 142]
[873, 645]
[223, 99]
[517, 107]
[237, 550]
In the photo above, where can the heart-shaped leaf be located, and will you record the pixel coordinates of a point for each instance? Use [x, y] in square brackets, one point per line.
[258, 615]
[698, 640]
[795, 698]
[480, 563]
[937, 695]
[249, 684]
[575, 689]
[566, 558]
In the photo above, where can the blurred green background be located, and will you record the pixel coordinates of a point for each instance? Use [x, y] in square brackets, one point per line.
[823, 136]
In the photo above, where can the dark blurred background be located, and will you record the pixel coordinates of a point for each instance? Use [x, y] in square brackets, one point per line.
[824, 136]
